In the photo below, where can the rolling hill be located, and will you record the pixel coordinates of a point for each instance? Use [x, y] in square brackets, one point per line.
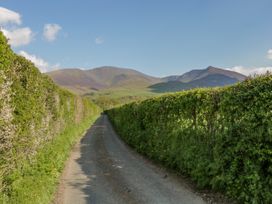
[209, 77]
[201, 73]
[101, 78]
[107, 79]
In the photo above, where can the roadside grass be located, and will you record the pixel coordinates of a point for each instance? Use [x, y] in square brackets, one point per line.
[36, 182]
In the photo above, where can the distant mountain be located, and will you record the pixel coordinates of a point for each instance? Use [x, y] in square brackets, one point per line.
[84, 81]
[170, 78]
[209, 77]
[198, 74]
[112, 78]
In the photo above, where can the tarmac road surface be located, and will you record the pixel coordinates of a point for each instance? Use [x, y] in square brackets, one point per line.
[102, 169]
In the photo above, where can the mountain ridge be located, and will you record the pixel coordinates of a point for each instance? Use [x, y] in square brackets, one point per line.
[110, 77]
[209, 77]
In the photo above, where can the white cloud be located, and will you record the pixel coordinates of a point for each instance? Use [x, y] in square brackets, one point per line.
[99, 40]
[19, 36]
[251, 70]
[8, 16]
[39, 62]
[50, 31]
[16, 36]
[269, 54]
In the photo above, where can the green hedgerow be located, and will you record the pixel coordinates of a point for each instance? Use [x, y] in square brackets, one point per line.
[221, 137]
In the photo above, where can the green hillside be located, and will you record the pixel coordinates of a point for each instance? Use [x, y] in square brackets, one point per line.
[39, 122]
[220, 137]
[112, 86]
[101, 78]
[110, 98]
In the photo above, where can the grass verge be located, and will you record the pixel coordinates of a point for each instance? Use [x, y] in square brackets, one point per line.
[36, 182]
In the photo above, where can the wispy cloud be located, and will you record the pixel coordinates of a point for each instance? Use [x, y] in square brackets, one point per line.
[43, 65]
[248, 71]
[99, 40]
[269, 54]
[18, 37]
[50, 31]
[7, 16]
[251, 70]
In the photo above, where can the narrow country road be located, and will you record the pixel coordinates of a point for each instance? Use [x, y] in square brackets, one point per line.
[102, 169]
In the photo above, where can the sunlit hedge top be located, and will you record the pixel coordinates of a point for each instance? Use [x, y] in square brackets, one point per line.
[221, 137]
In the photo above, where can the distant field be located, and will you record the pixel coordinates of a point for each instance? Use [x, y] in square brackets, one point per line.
[110, 98]
[112, 86]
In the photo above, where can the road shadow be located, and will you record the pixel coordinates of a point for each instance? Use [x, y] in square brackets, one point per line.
[102, 181]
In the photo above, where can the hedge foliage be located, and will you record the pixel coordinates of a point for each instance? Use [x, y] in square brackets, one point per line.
[33, 111]
[222, 138]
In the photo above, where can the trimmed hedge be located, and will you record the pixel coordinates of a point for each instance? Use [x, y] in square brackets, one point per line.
[222, 137]
[33, 112]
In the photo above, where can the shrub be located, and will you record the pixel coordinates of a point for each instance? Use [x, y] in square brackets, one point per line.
[221, 137]
[33, 113]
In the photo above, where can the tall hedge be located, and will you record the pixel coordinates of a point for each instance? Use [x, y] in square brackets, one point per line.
[33, 111]
[222, 137]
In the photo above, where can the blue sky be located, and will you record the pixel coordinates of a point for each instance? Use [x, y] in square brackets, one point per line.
[157, 37]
